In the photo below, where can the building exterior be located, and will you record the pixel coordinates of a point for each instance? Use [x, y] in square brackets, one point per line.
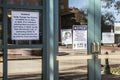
[70, 16]
[33, 26]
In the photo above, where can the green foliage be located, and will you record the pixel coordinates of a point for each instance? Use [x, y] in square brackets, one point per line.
[115, 70]
[110, 5]
[117, 5]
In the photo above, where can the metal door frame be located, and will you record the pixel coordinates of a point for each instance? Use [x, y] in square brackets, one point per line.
[4, 6]
[94, 35]
[50, 37]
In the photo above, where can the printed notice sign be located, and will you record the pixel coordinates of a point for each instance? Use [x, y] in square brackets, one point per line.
[25, 25]
[117, 28]
[79, 37]
[66, 36]
[108, 37]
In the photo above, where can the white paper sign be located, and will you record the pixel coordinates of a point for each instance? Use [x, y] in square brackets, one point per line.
[25, 25]
[117, 28]
[108, 37]
[79, 37]
[66, 36]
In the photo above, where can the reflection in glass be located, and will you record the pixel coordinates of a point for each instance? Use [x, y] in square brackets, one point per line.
[25, 64]
[72, 12]
[25, 2]
[110, 24]
[27, 29]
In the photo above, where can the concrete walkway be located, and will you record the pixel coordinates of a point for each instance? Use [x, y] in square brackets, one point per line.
[31, 69]
[63, 76]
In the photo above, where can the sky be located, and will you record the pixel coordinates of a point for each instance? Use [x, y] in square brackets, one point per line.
[83, 4]
[110, 10]
[78, 3]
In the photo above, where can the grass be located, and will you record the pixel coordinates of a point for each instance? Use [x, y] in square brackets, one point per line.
[113, 70]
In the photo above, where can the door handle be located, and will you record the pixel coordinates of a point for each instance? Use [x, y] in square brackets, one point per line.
[95, 47]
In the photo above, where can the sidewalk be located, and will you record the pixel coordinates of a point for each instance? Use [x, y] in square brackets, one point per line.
[111, 77]
[68, 70]
[83, 77]
[62, 77]
[66, 51]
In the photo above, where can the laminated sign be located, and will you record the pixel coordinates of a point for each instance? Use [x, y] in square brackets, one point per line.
[25, 25]
[108, 37]
[117, 28]
[79, 37]
[66, 36]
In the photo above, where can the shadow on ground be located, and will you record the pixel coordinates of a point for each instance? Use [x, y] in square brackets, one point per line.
[83, 76]
[25, 77]
[62, 76]
[111, 77]
[73, 76]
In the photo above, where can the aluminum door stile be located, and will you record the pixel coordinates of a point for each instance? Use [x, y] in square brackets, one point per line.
[50, 42]
[56, 33]
[98, 38]
[5, 64]
[94, 35]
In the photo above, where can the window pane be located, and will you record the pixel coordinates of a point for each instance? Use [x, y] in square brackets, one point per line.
[25, 64]
[110, 32]
[73, 15]
[25, 27]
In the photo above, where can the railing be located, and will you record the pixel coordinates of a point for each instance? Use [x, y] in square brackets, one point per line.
[112, 56]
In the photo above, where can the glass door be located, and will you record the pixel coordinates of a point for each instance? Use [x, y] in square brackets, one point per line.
[73, 25]
[110, 42]
[21, 37]
[79, 40]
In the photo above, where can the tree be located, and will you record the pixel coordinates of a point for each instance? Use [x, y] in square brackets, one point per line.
[117, 6]
[108, 9]
[108, 3]
[110, 15]
[108, 18]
